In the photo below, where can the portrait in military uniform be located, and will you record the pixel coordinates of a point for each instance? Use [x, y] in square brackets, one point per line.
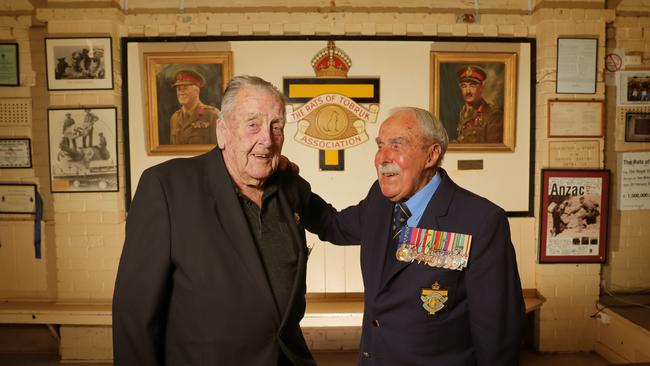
[474, 96]
[184, 100]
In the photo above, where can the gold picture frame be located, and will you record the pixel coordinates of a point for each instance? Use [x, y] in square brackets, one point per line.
[487, 123]
[163, 73]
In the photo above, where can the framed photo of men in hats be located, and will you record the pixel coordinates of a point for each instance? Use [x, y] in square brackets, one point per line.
[184, 92]
[474, 95]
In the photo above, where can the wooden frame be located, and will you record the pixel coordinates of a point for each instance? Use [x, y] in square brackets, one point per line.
[15, 153]
[9, 64]
[576, 66]
[634, 87]
[17, 198]
[576, 118]
[162, 103]
[573, 215]
[83, 150]
[497, 95]
[79, 63]
[637, 126]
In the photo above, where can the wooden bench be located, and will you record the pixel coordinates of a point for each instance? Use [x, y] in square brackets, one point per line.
[323, 310]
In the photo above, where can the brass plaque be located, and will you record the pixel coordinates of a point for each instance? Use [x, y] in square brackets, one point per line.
[470, 164]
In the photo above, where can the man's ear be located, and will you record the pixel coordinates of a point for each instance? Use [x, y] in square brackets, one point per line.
[433, 155]
[221, 131]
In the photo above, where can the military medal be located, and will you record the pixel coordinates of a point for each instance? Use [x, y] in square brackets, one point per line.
[403, 254]
[433, 299]
[442, 249]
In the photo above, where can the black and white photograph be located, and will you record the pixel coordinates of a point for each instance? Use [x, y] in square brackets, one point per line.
[634, 87]
[79, 63]
[83, 149]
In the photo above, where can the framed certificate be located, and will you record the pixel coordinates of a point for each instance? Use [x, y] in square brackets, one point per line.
[576, 65]
[15, 153]
[17, 198]
[9, 64]
[576, 118]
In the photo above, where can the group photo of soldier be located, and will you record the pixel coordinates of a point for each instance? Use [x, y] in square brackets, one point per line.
[83, 146]
[638, 89]
[74, 62]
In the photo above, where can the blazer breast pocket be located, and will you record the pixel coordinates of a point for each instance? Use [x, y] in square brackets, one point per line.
[440, 289]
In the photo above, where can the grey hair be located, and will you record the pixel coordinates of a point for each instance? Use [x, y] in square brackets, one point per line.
[246, 81]
[433, 132]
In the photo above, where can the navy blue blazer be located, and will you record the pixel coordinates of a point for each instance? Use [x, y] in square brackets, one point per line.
[482, 320]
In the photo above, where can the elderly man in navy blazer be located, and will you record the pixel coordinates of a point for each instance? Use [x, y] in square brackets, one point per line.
[439, 268]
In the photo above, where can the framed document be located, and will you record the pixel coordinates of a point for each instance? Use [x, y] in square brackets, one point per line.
[576, 65]
[576, 118]
[15, 153]
[9, 64]
[79, 63]
[574, 210]
[17, 198]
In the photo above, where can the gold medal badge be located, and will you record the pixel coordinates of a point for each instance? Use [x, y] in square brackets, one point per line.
[433, 299]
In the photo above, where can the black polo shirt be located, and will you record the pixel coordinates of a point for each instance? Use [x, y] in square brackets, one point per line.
[275, 244]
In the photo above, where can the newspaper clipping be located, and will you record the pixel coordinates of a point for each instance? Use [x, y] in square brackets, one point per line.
[574, 206]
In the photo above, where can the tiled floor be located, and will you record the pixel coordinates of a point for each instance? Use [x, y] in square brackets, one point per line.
[347, 359]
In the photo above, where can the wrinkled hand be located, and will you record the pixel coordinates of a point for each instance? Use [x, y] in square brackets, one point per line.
[286, 164]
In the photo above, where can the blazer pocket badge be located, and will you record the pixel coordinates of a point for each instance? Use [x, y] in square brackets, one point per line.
[434, 298]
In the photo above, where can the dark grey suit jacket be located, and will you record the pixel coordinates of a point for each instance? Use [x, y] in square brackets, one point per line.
[191, 288]
[482, 320]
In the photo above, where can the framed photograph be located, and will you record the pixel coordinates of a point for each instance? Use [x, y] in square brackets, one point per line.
[577, 60]
[474, 95]
[9, 70]
[83, 150]
[184, 92]
[15, 153]
[634, 87]
[576, 118]
[79, 63]
[637, 127]
[19, 198]
[574, 212]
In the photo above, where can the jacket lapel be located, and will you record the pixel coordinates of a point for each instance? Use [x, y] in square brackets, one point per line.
[236, 230]
[381, 245]
[437, 207]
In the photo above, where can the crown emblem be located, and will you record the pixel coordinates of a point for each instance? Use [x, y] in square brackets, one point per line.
[331, 62]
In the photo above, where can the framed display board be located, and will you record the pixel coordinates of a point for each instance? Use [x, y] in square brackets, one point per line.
[9, 65]
[15, 153]
[577, 60]
[19, 198]
[573, 215]
[576, 118]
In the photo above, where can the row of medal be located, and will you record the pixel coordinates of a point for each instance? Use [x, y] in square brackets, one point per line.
[435, 248]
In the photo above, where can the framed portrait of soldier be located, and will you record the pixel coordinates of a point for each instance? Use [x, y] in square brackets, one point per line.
[474, 95]
[183, 93]
[83, 150]
[574, 211]
[79, 63]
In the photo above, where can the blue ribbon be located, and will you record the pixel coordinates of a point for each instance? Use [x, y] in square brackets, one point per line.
[37, 226]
